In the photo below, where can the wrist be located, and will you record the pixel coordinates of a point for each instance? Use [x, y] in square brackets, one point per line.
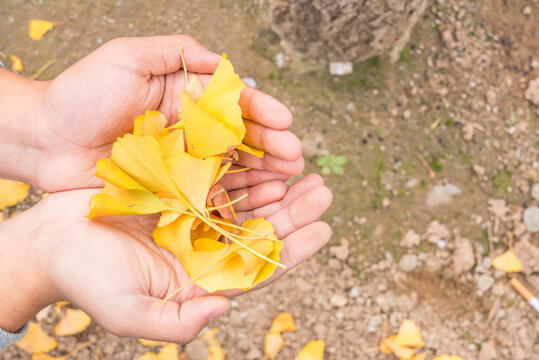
[26, 285]
[20, 100]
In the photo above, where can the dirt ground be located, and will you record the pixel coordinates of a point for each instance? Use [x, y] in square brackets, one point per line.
[405, 245]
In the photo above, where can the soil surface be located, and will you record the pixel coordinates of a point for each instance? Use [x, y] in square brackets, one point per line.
[458, 103]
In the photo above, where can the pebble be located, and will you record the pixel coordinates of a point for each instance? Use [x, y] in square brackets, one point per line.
[253, 354]
[410, 239]
[484, 282]
[463, 256]
[342, 251]
[531, 219]
[351, 107]
[374, 323]
[478, 170]
[249, 81]
[532, 93]
[408, 262]
[354, 292]
[442, 194]
[279, 60]
[535, 191]
[340, 68]
[488, 352]
[311, 144]
[338, 300]
[527, 10]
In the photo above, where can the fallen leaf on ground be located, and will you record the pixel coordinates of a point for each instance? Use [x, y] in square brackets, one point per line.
[73, 322]
[151, 342]
[273, 343]
[420, 357]
[507, 262]
[283, 322]
[16, 63]
[11, 192]
[314, 350]
[167, 352]
[42, 356]
[38, 28]
[215, 351]
[448, 357]
[401, 344]
[36, 340]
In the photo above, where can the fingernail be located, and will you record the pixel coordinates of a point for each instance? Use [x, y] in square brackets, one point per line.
[218, 312]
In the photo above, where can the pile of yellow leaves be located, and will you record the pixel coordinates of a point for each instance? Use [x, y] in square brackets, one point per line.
[38, 343]
[176, 171]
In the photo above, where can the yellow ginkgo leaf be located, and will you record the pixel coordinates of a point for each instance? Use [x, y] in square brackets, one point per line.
[11, 192]
[149, 356]
[149, 124]
[507, 262]
[314, 350]
[273, 343]
[145, 342]
[389, 346]
[409, 335]
[74, 321]
[36, 340]
[168, 352]
[215, 351]
[283, 322]
[38, 28]
[16, 63]
[448, 357]
[42, 356]
[419, 357]
[251, 150]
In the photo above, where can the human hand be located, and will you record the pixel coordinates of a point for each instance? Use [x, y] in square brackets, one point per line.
[84, 110]
[112, 268]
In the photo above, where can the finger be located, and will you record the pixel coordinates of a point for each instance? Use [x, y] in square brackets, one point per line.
[170, 321]
[297, 190]
[259, 195]
[160, 55]
[280, 143]
[249, 178]
[264, 109]
[301, 212]
[272, 164]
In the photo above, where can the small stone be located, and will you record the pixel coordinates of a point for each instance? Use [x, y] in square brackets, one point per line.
[488, 352]
[411, 183]
[535, 191]
[441, 244]
[478, 170]
[406, 114]
[44, 314]
[532, 93]
[342, 251]
[385, 202]
[354, 292]
[491, 97]
[311, 144]
[463, 256]
[340, 68]
[484, 282]
[374, 323]
[253, 354]
[249, 81]
[467, 132]
[338, 300]
[527, 10]
[531, 219]
[234, 303]
[442, 194]
[279, 60]
[410, 239]
[334, 264]
[408, 262]
[243, 345]
[351, 107]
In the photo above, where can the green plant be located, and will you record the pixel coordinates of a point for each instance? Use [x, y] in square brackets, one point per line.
[332, 164]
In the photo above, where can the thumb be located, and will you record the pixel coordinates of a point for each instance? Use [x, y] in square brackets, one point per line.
[171, 321]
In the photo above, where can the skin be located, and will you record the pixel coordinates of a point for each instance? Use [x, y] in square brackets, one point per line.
[52, 134]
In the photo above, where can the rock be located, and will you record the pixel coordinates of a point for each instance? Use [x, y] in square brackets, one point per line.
[488, 352]
[411, 183]
[406, 114]
[354, 292]
[45, 314]
[408, 262]
[463, 256]
[338, 300]
[340, 252]
[350, 107]
[478, 170]
[442, 194]
[528, 255]
[527, 10]
[531, 219]
[491, 97]
[311, 144]
[340, 68]
[243, 345]
[374, 323]
[253, 354]
[535, 191]
[410, 239]
[468, 131]
[196, 350]
[385, 202]
[279, 60]
[249, 81]
[436, 232]
[484, 282]
[532, 93]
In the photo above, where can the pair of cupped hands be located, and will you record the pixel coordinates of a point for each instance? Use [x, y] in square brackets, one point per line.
[111, 267]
